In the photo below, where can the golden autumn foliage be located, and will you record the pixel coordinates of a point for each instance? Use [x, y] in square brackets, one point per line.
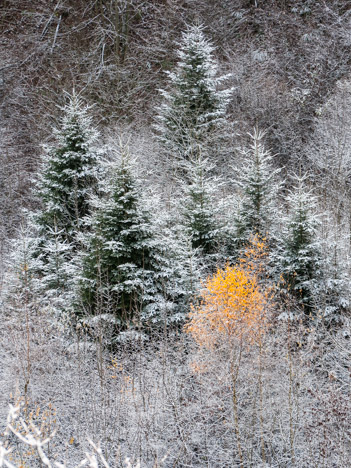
[233, 304]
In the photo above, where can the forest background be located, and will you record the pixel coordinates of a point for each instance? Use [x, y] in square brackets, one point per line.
[261, 378]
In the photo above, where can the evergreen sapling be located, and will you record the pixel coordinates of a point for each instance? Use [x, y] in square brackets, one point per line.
[301, 253]
[257, 181]
[200, 211]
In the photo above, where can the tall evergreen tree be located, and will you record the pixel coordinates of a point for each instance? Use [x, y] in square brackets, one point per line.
[126, 272]
[69, 176]
[67, 181]
[258, 183]
[194, 108]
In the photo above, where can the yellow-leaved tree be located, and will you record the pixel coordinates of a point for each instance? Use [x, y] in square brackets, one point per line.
[232, 315]
[234, 303]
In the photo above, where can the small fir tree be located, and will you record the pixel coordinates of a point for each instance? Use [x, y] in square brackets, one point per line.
[194, 108]
[258, 183]
[301, 257]
[200, 212]
[181, 265]
[58, 268]
[333, 297]
[21, 286]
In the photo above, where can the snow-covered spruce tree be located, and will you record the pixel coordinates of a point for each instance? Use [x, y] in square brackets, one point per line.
[181, 265]
[333, 297]
[40, 283]
[68, 176]
[20, 286]
[58, 270]
[194, 107]
[125, 276]
[258, 184]
[300, 258]
[200, 214]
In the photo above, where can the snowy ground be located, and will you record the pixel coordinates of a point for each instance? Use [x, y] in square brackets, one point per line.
[170, 400]
[6, 375]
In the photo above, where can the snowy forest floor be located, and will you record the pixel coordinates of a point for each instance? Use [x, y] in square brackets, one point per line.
[286, 404]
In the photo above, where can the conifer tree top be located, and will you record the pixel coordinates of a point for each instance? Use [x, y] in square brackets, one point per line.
[303, 222]
[76, 123]
[194, 106]
[70, 172]
[258, 181]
